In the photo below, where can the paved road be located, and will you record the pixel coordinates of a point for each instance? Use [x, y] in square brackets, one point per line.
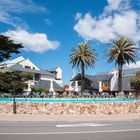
[70, 131]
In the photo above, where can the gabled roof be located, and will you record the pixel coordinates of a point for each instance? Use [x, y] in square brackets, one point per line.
[78, 77]
[101, 73]
[53, 69]
[106, 76]
[19, 60]
[14, 65]
[103, 77]
[18, 67]
[94, 84]
[131, 71]
[13, 61]
[46, 84]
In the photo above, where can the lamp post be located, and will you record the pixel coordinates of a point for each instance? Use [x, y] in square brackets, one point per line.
[14, 90]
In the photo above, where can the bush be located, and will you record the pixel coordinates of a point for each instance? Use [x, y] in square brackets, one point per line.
[135, 81]
[40, 90]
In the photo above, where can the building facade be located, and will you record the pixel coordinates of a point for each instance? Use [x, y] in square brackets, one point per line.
[42, 78]
[103, 82]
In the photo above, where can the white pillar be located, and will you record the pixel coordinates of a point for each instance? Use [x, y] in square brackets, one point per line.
[70, 86]
[100, 86]
[51, 87]
[76, 86]
[29, 87]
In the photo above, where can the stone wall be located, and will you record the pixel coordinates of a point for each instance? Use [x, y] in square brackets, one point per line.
[72, 108]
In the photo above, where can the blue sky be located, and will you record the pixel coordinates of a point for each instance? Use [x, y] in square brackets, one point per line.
[49, 29]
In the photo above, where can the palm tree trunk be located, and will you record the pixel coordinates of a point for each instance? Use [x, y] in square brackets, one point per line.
[83, 77]
[120, 78]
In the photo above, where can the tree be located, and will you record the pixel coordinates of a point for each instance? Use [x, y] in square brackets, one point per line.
[82, 56]
[121, 51]
[8, 47]
[135, 81]
[6, 81]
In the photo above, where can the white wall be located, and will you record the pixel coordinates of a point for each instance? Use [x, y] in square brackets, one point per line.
[59, 73]
[59, 82]
[114, 79]
[100, 86]
[27, 62]
[44, 77]
[74, 86]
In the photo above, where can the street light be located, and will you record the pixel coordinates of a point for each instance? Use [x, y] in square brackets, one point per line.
[14, 90]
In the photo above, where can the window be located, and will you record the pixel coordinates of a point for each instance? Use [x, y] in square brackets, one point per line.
[79, 83]
[27, 67]
[105, 84]
[73, 83]
[1, 67]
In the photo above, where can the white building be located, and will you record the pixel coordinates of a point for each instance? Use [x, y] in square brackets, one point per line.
[51, 80]
[103, 82]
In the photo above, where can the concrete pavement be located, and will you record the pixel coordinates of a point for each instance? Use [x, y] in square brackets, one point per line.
[69, 118]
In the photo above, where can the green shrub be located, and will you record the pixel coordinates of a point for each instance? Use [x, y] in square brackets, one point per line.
[135, 81]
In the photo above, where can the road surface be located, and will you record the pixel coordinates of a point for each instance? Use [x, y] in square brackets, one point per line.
[70, 131]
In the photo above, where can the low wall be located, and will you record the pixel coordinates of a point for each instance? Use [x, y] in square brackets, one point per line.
[71, 108]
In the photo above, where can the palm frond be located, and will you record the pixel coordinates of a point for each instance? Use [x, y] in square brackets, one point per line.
[121, 51]
[83, 54]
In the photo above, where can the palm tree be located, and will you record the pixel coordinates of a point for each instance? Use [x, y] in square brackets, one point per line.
[122, 51]
[82, 56]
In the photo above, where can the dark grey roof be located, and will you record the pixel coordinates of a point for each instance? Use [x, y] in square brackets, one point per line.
[103, 77]
[125, 84]
[18, 67]
[125, 71]
[94, 80]
[101, 73]
[46, 84]
[78, 77]
[131, 71]
[97, 78]
[53, 69]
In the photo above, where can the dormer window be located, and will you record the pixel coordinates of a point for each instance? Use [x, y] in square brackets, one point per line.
[27, 67]
[1, 68]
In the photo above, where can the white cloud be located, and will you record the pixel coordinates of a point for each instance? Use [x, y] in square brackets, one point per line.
[78, 16]
[37, 42]
[8, 8]
[126, 23]
[111, 23]
[132, 65]
[90, 28]
[117, 5]
[113, 4]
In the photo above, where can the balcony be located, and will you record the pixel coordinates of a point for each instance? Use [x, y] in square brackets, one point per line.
[107, 88]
